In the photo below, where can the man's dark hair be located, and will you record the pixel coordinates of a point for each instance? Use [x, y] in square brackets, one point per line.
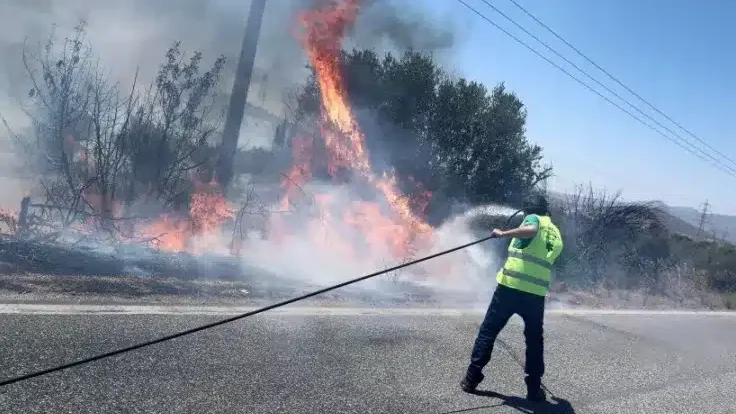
[535, 204]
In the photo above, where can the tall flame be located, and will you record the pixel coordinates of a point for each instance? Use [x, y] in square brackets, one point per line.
[323, 32]
[390, 227]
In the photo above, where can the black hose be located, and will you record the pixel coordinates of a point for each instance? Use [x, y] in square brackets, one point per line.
[511, 217]
[241, 316]
[261, 310]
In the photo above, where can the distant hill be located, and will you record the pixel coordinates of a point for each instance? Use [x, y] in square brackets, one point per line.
[676, 224]
[720, 226]
[686, 221]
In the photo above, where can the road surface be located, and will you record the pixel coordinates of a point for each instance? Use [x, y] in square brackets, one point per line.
[360, 361]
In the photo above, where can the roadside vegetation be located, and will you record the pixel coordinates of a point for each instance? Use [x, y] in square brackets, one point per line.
[101, 153]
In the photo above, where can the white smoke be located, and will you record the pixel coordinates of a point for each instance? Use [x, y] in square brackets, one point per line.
[471, 279]
[324, 253]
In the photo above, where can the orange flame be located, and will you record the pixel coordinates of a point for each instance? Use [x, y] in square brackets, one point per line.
[400, 229]
[390, 226]
[208, 211]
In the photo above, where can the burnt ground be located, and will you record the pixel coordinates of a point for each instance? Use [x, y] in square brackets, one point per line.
[127, 290]
[38, 288]
[49, 273]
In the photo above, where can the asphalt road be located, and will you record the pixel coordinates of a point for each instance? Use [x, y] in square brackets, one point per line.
[358, 362]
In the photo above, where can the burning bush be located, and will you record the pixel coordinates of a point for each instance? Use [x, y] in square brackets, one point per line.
[384, 219]
[110, 159]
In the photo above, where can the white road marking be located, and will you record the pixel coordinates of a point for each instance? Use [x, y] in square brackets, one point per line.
[42, 309]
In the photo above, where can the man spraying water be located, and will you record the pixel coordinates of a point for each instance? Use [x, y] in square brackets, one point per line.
[523, 283]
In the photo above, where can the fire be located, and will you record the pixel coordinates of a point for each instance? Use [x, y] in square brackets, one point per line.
[322, 40]
[208, 211]
[208, 208]
[384, 224]
[168, 234]
[395, 231]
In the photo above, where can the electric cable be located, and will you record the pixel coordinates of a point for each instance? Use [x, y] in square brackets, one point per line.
[676, 140]
[240, 316]
[615, 79]
[609, 90]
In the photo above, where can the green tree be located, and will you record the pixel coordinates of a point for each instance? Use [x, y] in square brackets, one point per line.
[467, 143]
[455, 137]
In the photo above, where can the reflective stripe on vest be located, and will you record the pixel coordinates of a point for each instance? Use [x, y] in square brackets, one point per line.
[522, 276]
[529, 258]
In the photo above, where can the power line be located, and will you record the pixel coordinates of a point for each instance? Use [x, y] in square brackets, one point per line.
[678, 136]
[713, 161]
[584, 56]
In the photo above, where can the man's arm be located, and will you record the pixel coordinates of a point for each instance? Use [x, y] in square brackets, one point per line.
[521, 232]
[527, 230]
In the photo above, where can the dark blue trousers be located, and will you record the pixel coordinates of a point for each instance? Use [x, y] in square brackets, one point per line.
[505, 303]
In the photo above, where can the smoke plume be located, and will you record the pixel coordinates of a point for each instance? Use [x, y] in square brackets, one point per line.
[132, 36]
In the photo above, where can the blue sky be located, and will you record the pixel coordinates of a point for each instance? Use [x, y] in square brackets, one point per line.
[677, 54]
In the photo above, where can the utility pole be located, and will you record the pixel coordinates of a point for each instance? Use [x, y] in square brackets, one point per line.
[239, 95]
[704, 215]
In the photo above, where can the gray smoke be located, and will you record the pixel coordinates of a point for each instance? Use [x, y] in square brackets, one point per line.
[133, 35]
[398, 25]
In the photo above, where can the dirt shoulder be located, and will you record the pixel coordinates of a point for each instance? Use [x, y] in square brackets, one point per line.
[132, 290]
[623, 299]
[35, 288]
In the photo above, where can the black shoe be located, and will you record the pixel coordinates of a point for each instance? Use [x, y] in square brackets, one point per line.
[534, 391]
[468, 386]
[536, 395]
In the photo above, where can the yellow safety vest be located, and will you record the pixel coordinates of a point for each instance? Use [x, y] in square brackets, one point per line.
[529, 269]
